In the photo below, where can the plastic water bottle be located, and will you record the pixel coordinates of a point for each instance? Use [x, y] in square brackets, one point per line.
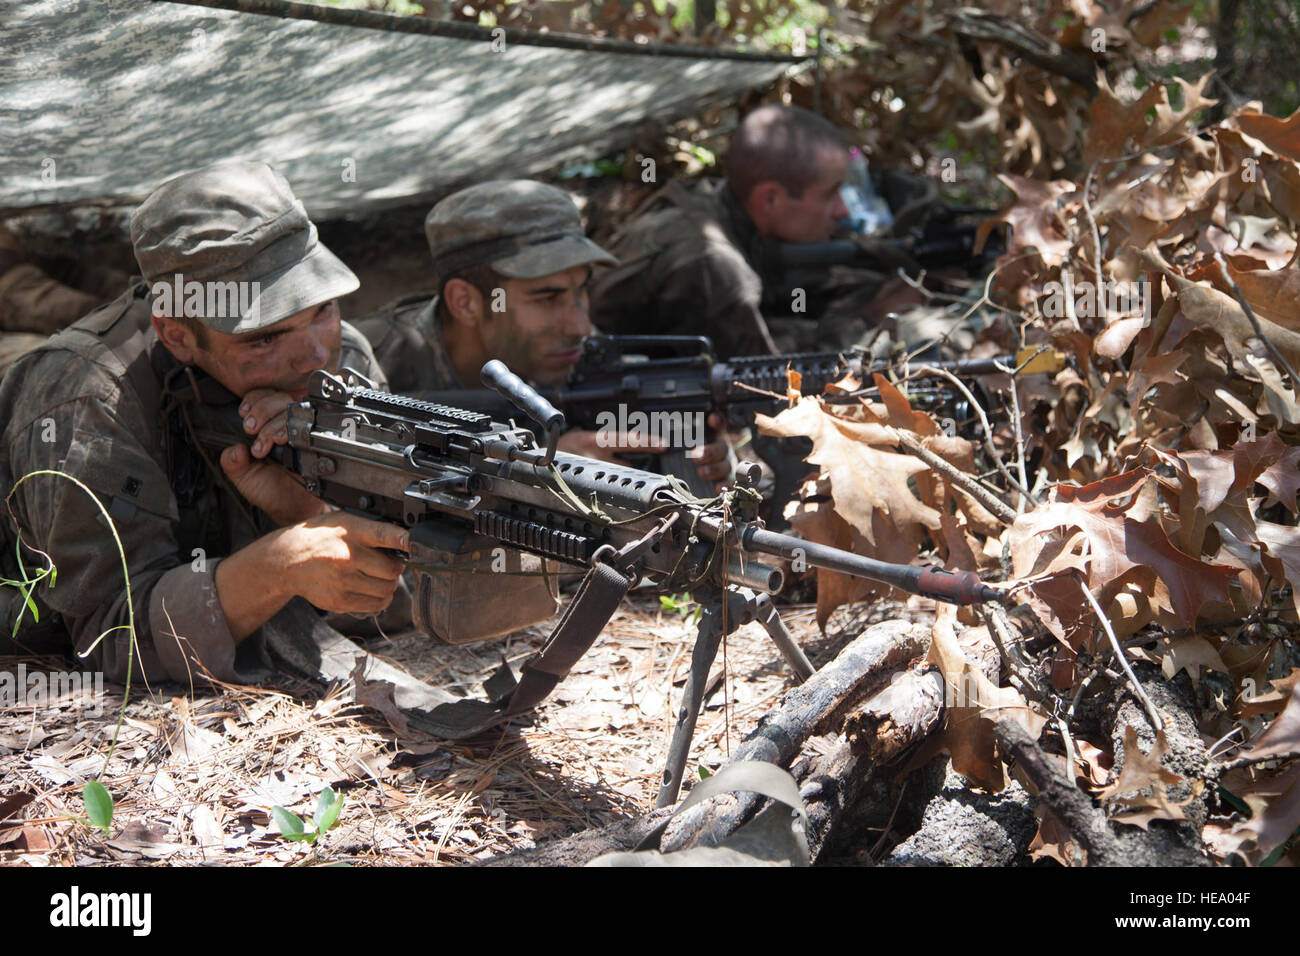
[868, 211]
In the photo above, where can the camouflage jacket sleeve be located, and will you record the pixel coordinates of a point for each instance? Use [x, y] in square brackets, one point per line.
[98, 435]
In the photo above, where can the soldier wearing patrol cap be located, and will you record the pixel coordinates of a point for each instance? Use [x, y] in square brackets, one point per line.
[510, 271]
[237, 308]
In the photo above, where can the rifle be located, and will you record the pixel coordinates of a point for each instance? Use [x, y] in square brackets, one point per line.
[453, 474]
[668, 386]
[946, 238]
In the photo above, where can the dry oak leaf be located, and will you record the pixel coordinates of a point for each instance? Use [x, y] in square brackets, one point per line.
[1140, 770]
[1190, 653]
[1207, 307]
[901, 413]
[1282, 136]
[863, 479]
[1282, 737]
[968, 724]
[1275, 700]
[1055, 841]
[1275, 809]
[820, 523]
[1035, 219]
[1272, 463]
[1118, 546]
[1114, 126]
[1282, 554]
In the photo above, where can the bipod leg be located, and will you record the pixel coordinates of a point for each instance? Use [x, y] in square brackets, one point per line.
[708, 637]
[794, 656]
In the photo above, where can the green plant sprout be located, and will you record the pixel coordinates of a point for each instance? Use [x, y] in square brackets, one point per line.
[325, 819]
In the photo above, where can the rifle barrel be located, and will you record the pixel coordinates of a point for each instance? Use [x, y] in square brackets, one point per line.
[957, 587]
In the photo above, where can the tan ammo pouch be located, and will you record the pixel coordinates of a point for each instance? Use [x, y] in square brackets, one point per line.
[471, 588]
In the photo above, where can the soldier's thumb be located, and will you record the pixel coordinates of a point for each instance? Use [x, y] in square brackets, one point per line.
[235, 461]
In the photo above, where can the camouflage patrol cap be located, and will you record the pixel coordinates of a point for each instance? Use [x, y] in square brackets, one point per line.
[230, 246]
[521, 228]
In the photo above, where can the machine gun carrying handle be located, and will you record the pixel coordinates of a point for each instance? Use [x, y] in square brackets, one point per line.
[523, 396]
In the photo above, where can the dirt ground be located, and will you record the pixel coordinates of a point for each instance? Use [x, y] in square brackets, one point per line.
[194, 777]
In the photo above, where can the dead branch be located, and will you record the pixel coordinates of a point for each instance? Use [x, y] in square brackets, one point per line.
[1028, 43]
[994, 505]
[806, 710]
[1070, 804]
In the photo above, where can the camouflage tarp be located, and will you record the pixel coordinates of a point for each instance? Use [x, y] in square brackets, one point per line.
[102, 99]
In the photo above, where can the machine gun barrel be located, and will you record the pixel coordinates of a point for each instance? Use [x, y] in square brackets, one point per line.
[954, 587]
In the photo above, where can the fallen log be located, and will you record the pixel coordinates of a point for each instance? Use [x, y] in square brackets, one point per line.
[818, 705]
[879, 730]
[580, 849]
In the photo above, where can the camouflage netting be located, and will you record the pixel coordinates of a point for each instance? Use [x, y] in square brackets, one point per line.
[100, 100]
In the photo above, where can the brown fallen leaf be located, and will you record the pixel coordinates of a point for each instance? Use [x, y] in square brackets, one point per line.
[1275, 809]
[1282, 477]
[1190, 653]
[1282, 557]
[1280, 135]
[1282, 737]
[1054, 841]
[1119, 547]
[973, 705]
[1275, 700]
[1140, 770]
[1034, 217]
[1142, 810]
[864, 479]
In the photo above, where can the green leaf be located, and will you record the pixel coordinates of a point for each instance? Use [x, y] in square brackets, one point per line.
[290, 825]
[703, 771]
[327, 811]
[99, 804]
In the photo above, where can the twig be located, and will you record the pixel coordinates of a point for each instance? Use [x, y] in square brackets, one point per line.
[1246, 761]
[988, 429]
[1071, 805]
[1096, 241]
[889, 824]
[1254, 320]
[1003, 511]
[1020, 441]
[1003, 634]
[1152, 714]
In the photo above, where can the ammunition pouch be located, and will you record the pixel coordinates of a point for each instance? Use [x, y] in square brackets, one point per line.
[471, 588]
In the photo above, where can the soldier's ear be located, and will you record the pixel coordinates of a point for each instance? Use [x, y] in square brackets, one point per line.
[179, 340]
[764, 204]
[464, 302]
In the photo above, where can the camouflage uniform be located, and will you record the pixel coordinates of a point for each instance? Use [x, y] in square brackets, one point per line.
[32, 305]
[690, 266]
[693, 264]
[106, 402]
[407, 339]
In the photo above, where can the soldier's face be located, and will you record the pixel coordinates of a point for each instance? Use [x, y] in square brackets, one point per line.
[280, 356]
[812, 216]
[539, 335]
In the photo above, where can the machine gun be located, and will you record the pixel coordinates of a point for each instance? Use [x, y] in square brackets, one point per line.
[449, 473]
[665, 386]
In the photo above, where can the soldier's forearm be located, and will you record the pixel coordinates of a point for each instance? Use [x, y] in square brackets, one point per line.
[252, 586]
